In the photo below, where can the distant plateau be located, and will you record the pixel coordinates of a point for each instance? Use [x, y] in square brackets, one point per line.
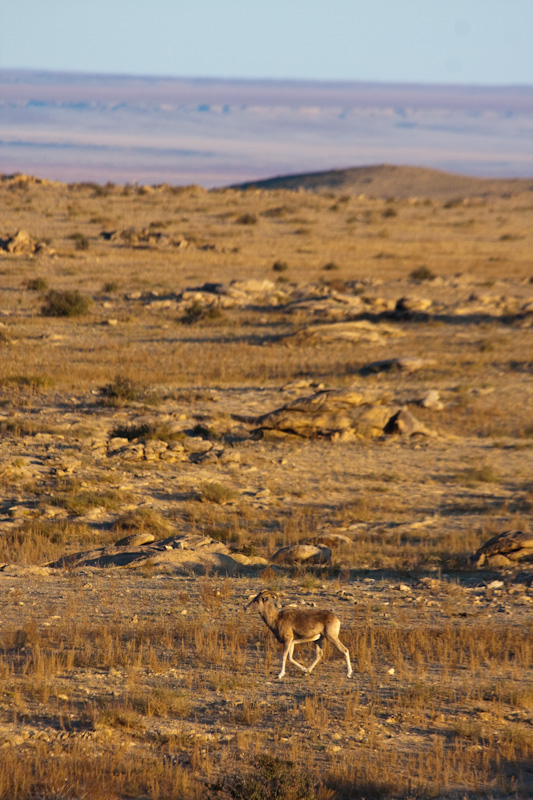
[74, 127]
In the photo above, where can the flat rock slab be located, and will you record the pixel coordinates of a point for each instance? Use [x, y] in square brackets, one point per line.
[352, 331]
[180, 554]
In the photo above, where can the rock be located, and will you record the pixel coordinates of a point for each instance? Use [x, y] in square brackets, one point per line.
[251, 286]
[209, 457]
[504, 549]
[21, 243]
[334, 306]
[330, 540]
[329, 413]
[499, 560]
[182, 554]
[356, 331]
[154, 448]
[135, 540]
[431, 400]
[412, 307]
[19, 512]
[300, 553]
[405, 364]
[404, 424]
[24, 244]
[230, 457]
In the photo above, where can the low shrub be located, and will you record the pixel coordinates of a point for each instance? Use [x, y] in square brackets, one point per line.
[247, 219]
[200, 313]
[272, 778]
[81, 242]
[121, 390]
[422, 274]
[65, 304]
[212, 492]
[37, 284]
[145, 520]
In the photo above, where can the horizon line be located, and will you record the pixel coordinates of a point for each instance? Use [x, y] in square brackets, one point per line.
[263, 79]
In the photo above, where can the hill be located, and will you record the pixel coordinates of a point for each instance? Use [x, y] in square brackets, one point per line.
[387, 180]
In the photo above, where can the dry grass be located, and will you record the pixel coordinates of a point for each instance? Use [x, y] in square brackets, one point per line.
[459, 684]
[128, 684]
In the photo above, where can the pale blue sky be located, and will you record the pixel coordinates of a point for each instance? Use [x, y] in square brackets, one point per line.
[432, 41]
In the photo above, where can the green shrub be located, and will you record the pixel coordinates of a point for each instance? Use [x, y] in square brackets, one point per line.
[65, 304]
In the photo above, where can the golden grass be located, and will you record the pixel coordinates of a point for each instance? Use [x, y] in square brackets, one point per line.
[126, 685]
[340, 730]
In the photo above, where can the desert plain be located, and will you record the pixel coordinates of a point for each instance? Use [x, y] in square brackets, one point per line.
[147, 336]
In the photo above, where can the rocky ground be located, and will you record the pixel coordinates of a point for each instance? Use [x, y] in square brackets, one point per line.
[330, 397]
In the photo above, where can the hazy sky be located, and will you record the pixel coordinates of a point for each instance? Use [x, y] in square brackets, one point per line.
[443, 41]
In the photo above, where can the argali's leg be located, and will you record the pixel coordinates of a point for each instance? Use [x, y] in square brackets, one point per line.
[344, 650]
[286, 650]
[293, 660]
[318, 656]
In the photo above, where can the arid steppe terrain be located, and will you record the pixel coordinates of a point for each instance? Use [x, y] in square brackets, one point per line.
[147, 336]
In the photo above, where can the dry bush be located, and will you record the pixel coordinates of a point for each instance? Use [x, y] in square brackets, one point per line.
[214, 492]
[146, 431]
[65, 304]
[37, 284]
[269, 779]
[121, 390]
[145, 520]
[37, 541]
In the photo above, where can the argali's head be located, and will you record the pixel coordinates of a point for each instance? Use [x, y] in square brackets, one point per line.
[261, 599]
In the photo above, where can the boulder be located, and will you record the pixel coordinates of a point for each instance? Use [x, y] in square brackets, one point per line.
[412, 308]
[404, 424]
[330, 413]
[331, 540]
[302, 553]
[505, 549]
[19, 244]
[431, 400]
